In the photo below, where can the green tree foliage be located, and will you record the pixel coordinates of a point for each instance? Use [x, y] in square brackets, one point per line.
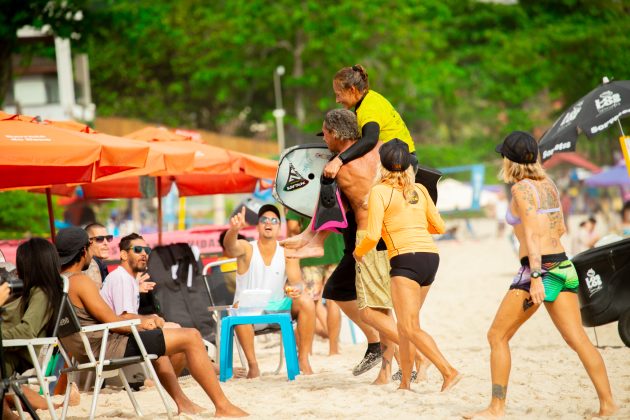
[63, 18]
[462, 73]
[22, 211]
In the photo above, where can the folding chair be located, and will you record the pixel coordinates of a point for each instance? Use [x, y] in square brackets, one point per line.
[68, 323]
[39, 379]
[221, 301]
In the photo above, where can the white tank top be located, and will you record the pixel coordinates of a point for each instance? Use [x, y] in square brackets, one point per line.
[260, 276]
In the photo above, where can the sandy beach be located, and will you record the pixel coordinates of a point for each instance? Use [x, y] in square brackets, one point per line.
[547, 379]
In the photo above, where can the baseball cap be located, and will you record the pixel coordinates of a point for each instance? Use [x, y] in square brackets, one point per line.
[69, 242]
[268, 207]
[395, 155]
[519, 147]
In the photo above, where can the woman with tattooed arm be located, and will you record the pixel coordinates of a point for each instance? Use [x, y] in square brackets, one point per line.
[546, 275]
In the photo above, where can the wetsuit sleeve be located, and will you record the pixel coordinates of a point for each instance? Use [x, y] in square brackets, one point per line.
[376, 213]
[369, 138]
[436, 224]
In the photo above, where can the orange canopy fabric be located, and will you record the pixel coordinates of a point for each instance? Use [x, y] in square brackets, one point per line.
[39, 154]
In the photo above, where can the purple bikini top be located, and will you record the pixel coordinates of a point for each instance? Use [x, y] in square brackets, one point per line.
[513, 220]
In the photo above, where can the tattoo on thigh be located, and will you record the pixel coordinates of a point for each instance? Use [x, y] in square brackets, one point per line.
[527, 303]
[499, 391]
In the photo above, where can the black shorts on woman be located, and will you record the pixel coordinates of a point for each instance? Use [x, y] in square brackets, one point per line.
[420, 267]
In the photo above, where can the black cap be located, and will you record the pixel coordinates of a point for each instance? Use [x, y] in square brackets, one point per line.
[395, 155]
[69, 242]
[519, 147]
[268, 207]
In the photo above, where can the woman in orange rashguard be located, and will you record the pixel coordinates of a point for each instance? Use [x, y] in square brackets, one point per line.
[403, 213]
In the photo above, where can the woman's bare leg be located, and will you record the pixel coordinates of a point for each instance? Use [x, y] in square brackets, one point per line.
[188, 341]
[408, 298]
[508, 319]
[565, 314]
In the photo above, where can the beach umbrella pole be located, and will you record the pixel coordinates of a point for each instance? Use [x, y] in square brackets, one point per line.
[51, 215]
[159, 209]
[621, 128]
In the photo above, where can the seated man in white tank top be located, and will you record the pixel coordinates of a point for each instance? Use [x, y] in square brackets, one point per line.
[261, 264]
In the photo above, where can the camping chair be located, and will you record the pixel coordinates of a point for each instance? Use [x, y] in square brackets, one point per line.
[68, 323]
[221, 302]
[39, 378]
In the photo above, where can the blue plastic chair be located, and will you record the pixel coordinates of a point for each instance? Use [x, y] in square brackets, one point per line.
[227, 341]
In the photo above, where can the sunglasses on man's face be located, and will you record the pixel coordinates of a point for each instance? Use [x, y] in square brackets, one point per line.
[101, 239]
[272, 220]
[137, 249]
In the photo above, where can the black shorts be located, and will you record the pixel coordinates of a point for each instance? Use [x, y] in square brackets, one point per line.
[153, 341]
[420, 267]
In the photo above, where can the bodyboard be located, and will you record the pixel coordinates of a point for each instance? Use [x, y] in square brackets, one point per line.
[298, 178]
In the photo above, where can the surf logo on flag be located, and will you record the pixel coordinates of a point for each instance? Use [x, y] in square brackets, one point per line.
[295, 181]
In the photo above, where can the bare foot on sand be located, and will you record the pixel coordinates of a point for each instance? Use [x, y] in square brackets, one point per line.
[451, 380]
[488, 413]
[308, 251]
[607, 410]
[190, 407]
[230, 410]
[239, 372]
[305, 367]
[253, 371]
[75, 396]
[298, 241]
[384, 374]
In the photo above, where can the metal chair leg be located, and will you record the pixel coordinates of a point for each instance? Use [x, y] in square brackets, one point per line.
[125, 383]
[97, 389]
[281, 361]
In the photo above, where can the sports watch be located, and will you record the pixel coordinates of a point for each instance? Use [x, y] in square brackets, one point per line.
[535, 274]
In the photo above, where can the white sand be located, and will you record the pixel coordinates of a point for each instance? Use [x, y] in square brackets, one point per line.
[547, 378]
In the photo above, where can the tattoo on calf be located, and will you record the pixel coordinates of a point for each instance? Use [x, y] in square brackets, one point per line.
[385, 361]
[499, 391]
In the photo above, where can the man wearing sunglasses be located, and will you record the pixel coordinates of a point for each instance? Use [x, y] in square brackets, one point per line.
[122, 287]
[99, 248]
[261, 264]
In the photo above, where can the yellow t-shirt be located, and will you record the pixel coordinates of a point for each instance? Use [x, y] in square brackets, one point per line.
[405, 227]
[375, 108]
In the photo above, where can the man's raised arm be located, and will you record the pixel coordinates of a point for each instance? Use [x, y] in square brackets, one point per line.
[233, 246]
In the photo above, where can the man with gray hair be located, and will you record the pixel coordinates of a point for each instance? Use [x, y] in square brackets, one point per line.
[362, 293]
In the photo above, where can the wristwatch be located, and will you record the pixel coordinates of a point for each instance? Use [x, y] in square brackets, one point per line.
[535, 274]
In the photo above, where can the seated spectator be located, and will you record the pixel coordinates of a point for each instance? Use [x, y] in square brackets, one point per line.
[99, 248]
[34, 313]
[586, 237]
[262, 265]
[73, 248]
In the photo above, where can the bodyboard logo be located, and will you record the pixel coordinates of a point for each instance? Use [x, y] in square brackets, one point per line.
[295, 180]
[593, 282]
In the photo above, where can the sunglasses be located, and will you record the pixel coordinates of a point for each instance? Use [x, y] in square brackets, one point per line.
[272, 220]
[137, 249]
[101, 239]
